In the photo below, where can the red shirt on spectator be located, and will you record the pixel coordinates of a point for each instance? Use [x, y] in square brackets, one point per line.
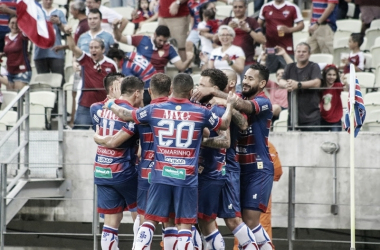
[140, 16]
[286, 14]
[356, 59]
[244, 40]
[163, 9]
[331, 103]
[82, 28]
[92, 79]
[16, 50]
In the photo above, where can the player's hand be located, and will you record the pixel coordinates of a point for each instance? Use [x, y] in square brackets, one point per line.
[116, 92]
[232, 99]
[173, 9]
[199, 94]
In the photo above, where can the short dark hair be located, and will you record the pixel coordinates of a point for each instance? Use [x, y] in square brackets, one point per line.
[263, 71]
[357, 38]
[160, 84]
[305, 44]
[162, 30]
[110, 78]
[115, 52]
[130, 84]
[217, 78]
[96, 11]
[98, 1]
[203, 9]
[182, 84]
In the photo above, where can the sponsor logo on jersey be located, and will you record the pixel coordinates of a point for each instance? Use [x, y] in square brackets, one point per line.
[175, 152]
[96, 118]
[175, 161]
[106, 160]
[103, 172]
[106, 151]
[241, 150]
[254, 196]
[264, 107]
[175, 173]
[143, 114]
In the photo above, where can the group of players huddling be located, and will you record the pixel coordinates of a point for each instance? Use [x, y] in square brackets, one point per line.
[203, 153]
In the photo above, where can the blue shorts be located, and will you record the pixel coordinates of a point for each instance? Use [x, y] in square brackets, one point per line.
[230, 199]
[255, 190]
[117, 198]
[142, 197]
[193, 37]
[24, 77]
[162, 199]
[209, 192]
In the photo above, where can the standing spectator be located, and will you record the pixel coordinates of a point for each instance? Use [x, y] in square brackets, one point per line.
[108, 15]
[156, 48]
[143, 14]
[175, 15]
[16, 50]
[48, 60]
[370, 10]
[7, 8]
[299, 78]
[323, 26]
[279, 17]
[94, 22]
[95, 66]
[248, 33]
[331, 104]
[228, 56]
[132, 63]
[356, 57]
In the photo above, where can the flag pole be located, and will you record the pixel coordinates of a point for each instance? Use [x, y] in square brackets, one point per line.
[352, 154]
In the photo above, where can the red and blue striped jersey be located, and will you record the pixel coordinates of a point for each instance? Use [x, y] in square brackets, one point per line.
[147, 150]
[194, 7]
[137, 65]
[319, 6]
[212, 161]
[252, 148]
[4, 28]
[114, 165]
[232, 164]
[177, 127]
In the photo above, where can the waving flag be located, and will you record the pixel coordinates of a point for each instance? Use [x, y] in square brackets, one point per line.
[31, 20]
[359, 108]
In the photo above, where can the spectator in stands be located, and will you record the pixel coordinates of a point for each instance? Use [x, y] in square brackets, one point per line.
[143, 14]
[299, 78]
[16, 50]
[323, 26]
[95, 66]
[342, 10]
[175, 15]
[94, 22]
[108, 15]
[132, 63]
[248, 33]
[356, 57]
[195, 6]
[207, 28]
[156, 48]
[370, 10]
[279, 17]
[277, 95]
[331, 103]
[228, 56]
[7, 8]
[123, 3]
[47, 60]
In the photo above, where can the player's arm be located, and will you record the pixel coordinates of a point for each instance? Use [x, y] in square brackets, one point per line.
[227, 116]
[111, 141]
[117, 32]
[122, 113]
[223, 140]
[180, 65]
[239, 120]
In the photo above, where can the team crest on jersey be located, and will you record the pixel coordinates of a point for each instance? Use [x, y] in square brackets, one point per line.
[178, 107]
[286, 13]
[108, 70]
[270, 13]
[161, 53]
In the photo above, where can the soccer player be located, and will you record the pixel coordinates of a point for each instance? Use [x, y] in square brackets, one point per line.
[252, 150]
[115, 170]
[177, 127]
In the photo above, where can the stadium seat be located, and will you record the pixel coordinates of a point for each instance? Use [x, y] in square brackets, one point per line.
[223, 11]
[375, 51]
[220, 3]
[52, 79]
[280, 126]
[377, 77]
[372, 101]
[284, 114]
[321, 58]
[352, 25]
[60, 2]
[8, 120]
[8, 96]
[340, 48]
[129, 29]
[341, 34]
[126, 48]
[106, 3]
[351, 10]
[306, 25]
[273, 77]
[46, 100]
[375, 24]
[377, 42]
[366, 80]
[148, 28]
[372, 121]
[300, 36]
[68, 90]
[371, 35]
[124, 11]
[251, 9]
[368, 61]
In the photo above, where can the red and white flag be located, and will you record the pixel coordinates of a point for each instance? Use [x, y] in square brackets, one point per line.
[31, 20]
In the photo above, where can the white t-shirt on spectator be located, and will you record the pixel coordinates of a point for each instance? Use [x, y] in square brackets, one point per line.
[108, 16]
[205, 42]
